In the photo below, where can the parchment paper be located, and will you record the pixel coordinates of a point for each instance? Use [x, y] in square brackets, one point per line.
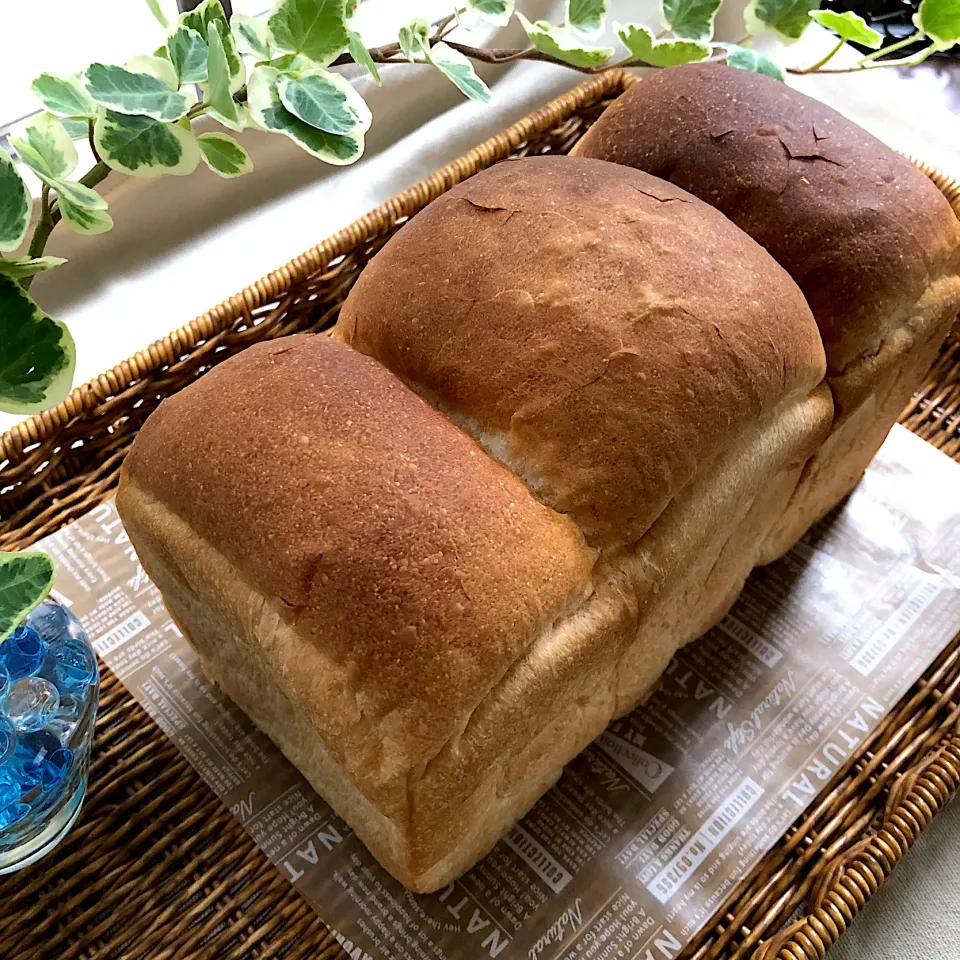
[651, 827]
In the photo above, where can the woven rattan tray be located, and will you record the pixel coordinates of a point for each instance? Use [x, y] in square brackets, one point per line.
[156, 867]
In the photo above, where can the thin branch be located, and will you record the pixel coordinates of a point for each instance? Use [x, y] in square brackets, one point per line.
[874, 65]
[899, 45]
[816, 66]
[93, 146]
[41, 233]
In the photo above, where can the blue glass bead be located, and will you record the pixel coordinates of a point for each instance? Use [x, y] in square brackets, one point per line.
[50, 621]
[31, 703]
[22, 652]
[27, 762]
[13, 814]
[74, 667]
[8, 739]
[4, 680]
[9, 790]
[71, 707]
[55, 768]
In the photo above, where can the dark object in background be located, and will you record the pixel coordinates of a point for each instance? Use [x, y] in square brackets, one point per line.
[893, 19]
[185, 6]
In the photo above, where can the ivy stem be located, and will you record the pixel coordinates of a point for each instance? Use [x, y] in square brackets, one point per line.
[41, 233]
[899, 45]
[879, 65]
[816, 66]
[93, 146]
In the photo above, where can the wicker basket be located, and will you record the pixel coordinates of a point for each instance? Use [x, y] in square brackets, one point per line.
[157, 868]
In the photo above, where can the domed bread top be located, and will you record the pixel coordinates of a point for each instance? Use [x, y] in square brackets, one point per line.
[405, 555]
[862, 231]
[600, 331]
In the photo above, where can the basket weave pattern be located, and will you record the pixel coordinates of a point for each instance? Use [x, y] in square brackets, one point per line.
[157, 868]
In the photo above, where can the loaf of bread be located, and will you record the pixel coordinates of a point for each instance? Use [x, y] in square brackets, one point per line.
[565, 411]
[869, 239]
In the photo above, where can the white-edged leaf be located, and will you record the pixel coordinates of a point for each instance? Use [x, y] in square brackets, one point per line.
[25, 579]
[123, 91]
[21, 267]
[642, 44]
[15, 205]
[83, 220]
[563, 44]
[159, 67]
[497, 12]
[223, 155]
[744, 59]
[37, 354]
[459, 71]
[326, 101]
[143, 147]
[64, 95]
[269, 113]
[586, 16]
[251, 36]
[202, 19]
[188, 54]
[79, 195]
[788, 18]
[690, 19]
[315, 28]
[44, 145]
[222, 104]
[361, 55]
[160, 16]
[414, 39]
[79, 129]
[848, 26]
[940, 21]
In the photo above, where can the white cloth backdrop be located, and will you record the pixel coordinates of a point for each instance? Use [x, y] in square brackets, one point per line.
[181, 245]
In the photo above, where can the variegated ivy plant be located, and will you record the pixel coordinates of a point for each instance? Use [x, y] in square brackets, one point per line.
[276, 74]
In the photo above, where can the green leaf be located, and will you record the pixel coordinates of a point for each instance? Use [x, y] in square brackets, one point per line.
[414, 39]
[744, 59]
[325, 101]
[315, 28]
[154, 6]
[251, 36]
[222, 104]
[459, 71]
[789, 18]
[940, 21]
[202, 19]
[79, 195]
[143, 147]
[497, 12]
[848, 26]
[21, 267]
[690, 19]
[560, 43]
[79, 129]
[15, 205]
[64, 95]
[159, 67]
[25, 579]
[586, 16]
[37, 354]
[659, 53]
[223, 155]
[136, 94]
[45, 145]
[84, 220]
[188, 54]
[361, 55]
[269, 113]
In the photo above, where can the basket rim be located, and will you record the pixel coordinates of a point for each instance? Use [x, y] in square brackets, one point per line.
[41, 426]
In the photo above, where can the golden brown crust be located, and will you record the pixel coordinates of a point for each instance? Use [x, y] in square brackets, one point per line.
[418, 565]
[862, 231]
[601, 331]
